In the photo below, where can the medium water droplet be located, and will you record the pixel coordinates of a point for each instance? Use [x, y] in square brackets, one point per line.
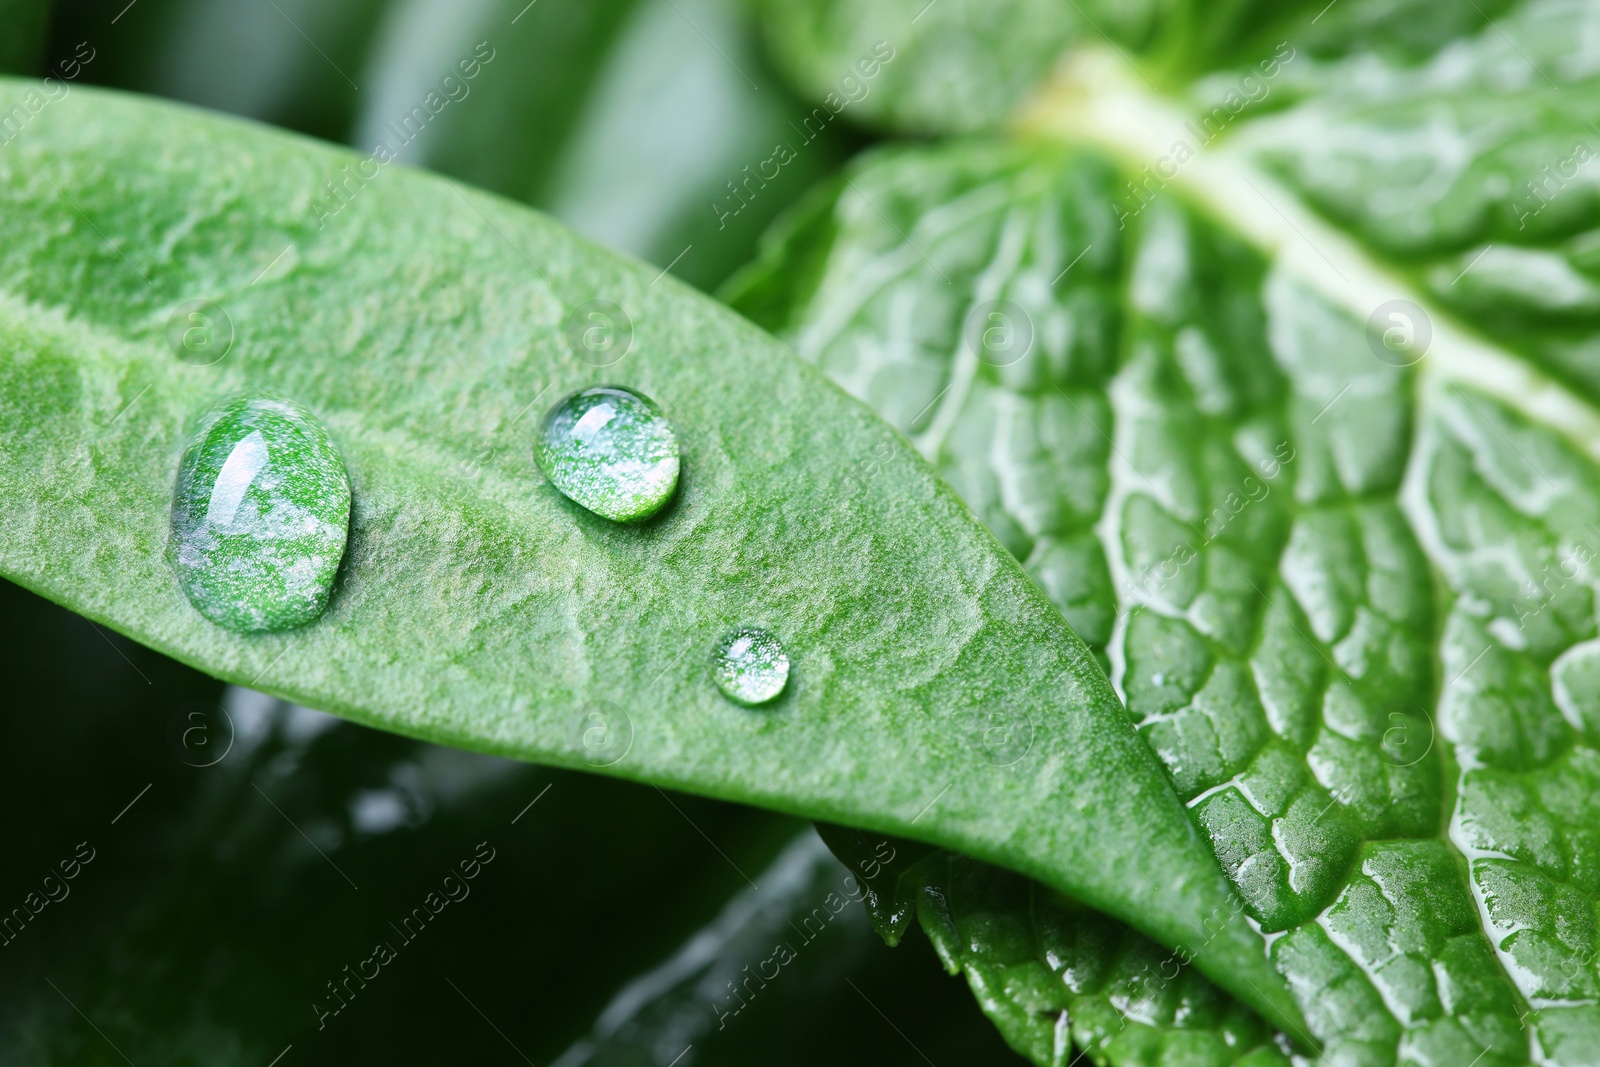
[751, 666]
[260, 517]
[611, 450]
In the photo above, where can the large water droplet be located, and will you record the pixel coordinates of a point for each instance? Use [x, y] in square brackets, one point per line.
[611, 450]
[750, 666]
[260, 516]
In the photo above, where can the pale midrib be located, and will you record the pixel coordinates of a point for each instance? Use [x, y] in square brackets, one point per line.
[1096, 98]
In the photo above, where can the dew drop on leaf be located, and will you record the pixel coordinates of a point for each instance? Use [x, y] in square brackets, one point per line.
[612, 451]
[260, 516]
[751, 666]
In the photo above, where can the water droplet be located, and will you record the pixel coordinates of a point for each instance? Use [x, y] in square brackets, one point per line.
[751, 666]
[611, 450]
[260, 516]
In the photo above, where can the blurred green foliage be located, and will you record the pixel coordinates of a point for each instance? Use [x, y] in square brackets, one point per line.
[629, 120]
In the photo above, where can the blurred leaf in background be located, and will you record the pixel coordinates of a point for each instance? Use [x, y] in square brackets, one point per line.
[651, 126]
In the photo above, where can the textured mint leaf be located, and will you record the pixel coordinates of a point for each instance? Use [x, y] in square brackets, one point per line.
[1056, 977]
[842, 240]
[953, 66]
[966, 65]
[1293, 630]
[1511, 518]
[1367, 674]
[1052, 974]
[1472, 172]
[477, 607]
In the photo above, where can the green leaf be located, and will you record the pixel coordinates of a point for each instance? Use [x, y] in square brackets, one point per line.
[1349, 601]
[966, 65]
[1471, 175]
[934, 691]
[1055, 976]
[1050, 973]
[887, 869]
[917, 67]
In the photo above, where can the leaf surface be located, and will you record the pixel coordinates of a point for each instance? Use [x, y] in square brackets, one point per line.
[1053, 976]
[1347, 600]
[425, 325]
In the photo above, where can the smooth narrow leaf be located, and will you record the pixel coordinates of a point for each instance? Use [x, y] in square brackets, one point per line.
[632, 122]
[935, 692]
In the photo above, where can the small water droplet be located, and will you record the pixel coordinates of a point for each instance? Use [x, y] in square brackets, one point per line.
[751, 666]
[260, 516]
[611, 450]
